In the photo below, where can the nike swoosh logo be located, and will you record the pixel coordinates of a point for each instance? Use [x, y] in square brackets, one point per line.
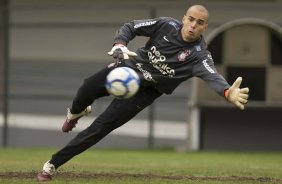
[165, 38]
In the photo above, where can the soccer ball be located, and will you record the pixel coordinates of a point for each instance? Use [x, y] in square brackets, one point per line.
[122, 82]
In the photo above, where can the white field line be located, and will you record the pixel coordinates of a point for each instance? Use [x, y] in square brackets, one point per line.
[135, 127]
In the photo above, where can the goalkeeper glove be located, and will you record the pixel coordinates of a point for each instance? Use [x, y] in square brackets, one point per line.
[237, 96]
[120, 51]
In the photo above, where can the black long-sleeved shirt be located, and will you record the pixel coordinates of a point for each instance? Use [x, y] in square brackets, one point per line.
[167, 60]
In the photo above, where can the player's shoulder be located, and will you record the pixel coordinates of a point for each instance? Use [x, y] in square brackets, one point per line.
[200, 46]
[201, 51]
[171, 22]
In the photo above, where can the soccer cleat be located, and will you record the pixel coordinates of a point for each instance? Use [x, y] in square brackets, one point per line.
[72, 119]
[46, 173]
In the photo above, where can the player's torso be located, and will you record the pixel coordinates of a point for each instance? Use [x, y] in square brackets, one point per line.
[167, 53]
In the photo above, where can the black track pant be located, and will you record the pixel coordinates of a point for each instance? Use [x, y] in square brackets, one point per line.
[117, 113]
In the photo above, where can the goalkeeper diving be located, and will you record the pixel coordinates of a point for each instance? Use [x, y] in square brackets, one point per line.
[175, 52]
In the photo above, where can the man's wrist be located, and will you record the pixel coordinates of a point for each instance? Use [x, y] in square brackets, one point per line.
[226, 94]
[117, 44]
[120, 42]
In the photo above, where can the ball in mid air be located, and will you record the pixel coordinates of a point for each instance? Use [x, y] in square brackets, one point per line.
[122, 82]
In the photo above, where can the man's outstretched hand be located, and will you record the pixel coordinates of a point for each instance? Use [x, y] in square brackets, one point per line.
[236, 95]
[120, 51]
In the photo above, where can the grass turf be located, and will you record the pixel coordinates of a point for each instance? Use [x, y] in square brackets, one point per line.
[144, 166]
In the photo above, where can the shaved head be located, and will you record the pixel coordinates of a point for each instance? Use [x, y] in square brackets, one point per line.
[195, 22]
[200, 8]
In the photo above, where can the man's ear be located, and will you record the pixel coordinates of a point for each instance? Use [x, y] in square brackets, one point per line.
[206, 26]
[183, 19]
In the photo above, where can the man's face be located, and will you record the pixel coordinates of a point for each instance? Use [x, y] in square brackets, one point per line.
[195, 22]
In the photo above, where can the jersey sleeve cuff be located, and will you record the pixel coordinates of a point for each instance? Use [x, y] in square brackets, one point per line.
[121, 42]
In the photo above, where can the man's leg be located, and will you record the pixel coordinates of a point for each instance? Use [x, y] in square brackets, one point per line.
[118, 112]
[92, 88]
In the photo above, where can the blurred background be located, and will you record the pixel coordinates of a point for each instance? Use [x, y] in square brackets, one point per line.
[49, 46]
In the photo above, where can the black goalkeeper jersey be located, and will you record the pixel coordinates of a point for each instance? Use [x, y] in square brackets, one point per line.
[167, 60]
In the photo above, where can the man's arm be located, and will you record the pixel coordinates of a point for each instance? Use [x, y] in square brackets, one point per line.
[128, 32]
[206, 70]
[145, 27]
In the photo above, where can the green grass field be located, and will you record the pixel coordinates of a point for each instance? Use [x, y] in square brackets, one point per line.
[144, 166]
